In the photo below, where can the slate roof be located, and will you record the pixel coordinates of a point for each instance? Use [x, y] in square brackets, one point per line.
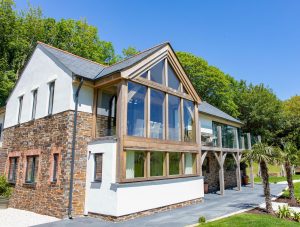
[207, 108]
[78, 65]
[129, 61]
[92, 70]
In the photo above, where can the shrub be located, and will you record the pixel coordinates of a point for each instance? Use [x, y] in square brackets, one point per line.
[284, 212]
[202, 219]
[296, 216]
[5, 188]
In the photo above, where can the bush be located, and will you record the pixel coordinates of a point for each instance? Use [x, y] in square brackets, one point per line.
[284, 212]
[296, 216]
[5, 188]
[202, 219]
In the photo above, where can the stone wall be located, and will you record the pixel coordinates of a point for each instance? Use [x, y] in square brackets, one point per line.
[102, 126]
[211, 175]
[45, 136]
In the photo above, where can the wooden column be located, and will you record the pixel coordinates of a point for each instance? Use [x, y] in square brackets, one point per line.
[202, 158]
[237, 158]
[221, 159]
[121, 129]
[251, 161]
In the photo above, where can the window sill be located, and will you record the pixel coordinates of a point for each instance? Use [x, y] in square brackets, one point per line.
[29, 185]
[12, 183]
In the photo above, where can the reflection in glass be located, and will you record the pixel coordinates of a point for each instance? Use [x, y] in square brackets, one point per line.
[135, 164]
[157, 72]
[157, 163]
[174, 163]
[174, 118]
[188, 111]
[173, 81]
[157, 99]
[136, 109]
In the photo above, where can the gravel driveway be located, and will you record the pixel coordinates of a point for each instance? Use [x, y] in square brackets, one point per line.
[20, 218]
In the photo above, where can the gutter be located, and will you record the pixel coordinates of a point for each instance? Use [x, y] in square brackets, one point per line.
[73, 151]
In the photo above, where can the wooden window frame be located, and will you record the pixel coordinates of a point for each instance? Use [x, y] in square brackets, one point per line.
[51, 97]
[34, 103]
[15, 169]
[34, 174]
[166, 164]
[21, 98]
[95, 167]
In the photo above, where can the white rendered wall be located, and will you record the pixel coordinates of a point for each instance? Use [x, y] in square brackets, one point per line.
[114, 199]
[40, 70]
[156, 194]
[99, 196]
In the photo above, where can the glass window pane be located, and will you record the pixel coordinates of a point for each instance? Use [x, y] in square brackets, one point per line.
[173, 81]
[55, 167]
[145, 75]
[136, 109]
[106, 112]
[188, 109]
[157, 72]
[51, 97]
[189, 163]
[157, 163]
[34, 100]
[157, 99]
[13, 165]
[29, 172]
[174, 118]
[174, 163]
[98, 167]
[135, 164]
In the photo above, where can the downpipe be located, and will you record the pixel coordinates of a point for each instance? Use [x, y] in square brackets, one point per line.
[70, 205]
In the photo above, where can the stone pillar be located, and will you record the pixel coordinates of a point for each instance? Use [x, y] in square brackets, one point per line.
[251, 161]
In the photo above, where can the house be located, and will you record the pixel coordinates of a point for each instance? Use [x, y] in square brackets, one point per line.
[115, 141]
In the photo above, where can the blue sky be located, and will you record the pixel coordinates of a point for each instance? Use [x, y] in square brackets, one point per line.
[257, 41]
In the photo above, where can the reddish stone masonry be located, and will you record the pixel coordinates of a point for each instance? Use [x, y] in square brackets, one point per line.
[146, 212]
[45, 137]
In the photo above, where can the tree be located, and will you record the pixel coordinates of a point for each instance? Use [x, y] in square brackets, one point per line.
[20, 32]
[212, 84]
[264, 155]
[260, 110]
[129, 52]
[289, 155]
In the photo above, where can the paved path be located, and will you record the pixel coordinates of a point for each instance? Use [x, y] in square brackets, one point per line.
[213, 206]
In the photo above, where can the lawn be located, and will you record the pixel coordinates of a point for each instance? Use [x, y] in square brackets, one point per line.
[273, 169]
[297, 190]
[276, 179]
[253, 220]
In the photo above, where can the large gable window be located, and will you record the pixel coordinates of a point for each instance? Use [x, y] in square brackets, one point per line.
[188, 111]
[156, 114]
[174, 118]
[136, 109]
[157, 72]
[173, 81]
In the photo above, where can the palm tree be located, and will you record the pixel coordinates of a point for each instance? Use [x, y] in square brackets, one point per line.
[263, 154]
[289, 155]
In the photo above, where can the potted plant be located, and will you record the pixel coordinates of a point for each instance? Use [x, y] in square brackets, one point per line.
[245, 180]
[5, 192]
[205, 187]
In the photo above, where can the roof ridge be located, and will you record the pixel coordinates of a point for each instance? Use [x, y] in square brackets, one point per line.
[64, 51]
[139, 53]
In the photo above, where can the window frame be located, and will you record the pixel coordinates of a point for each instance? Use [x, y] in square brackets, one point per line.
[34, 103]
[95, 179]
[55, 167]
[166, 167]
[15, 169]
[34, 167]
[21, 99]
[51, 97]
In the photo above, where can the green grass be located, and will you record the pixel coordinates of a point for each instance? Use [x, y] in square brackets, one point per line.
[272, 169]
[297, 190]
[251, 220]
[276, 179]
